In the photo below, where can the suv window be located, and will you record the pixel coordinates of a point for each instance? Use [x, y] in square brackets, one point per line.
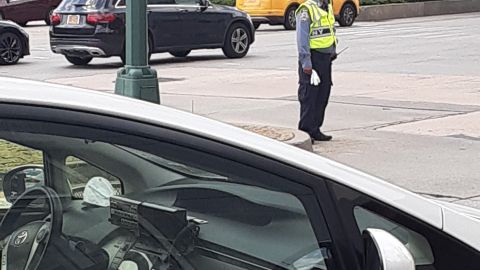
[187, 2]
[75, 5]
[414, 242]
[161, 2]
[152, 2]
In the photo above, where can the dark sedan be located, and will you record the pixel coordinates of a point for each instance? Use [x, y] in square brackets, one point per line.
[24, 11]
[14, 43]
[82, 29]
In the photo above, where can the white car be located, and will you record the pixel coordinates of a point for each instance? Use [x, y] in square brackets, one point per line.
[172, 190]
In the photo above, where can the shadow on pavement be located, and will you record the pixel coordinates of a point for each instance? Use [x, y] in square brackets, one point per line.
[271, 30]
[35, 25]
[176, 60]
[163, 61]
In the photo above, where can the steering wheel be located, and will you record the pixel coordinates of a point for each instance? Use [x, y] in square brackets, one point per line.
[26, 243]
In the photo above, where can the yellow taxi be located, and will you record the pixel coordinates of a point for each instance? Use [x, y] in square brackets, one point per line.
[282, 12]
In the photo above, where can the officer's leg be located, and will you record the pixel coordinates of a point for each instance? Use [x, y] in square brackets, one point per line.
[323, 97]
[307, 95]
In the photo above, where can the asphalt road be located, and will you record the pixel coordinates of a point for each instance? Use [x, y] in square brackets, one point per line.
[405, 104]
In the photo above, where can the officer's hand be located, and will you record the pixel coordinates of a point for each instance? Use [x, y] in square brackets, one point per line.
[334, 56]
[307, 71]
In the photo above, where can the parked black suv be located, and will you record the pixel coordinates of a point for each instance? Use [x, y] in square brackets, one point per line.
[83, 29]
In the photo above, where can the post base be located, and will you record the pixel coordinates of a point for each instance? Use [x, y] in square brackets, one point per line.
[138, 82]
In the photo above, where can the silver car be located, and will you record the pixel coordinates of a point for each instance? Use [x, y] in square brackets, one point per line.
[126, 184]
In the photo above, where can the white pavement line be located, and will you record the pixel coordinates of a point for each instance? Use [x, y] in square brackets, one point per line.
[454, 35]
[426, 35]
[405, 30]
[395, 33]
[286, 33]
[466, 124]
[374, 30]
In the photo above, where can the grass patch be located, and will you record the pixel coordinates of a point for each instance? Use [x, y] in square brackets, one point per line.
[14, 155]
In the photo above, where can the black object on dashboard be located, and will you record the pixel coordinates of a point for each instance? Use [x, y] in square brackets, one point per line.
[169, 225]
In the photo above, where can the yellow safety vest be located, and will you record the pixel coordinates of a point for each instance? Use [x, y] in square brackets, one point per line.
[322, 34]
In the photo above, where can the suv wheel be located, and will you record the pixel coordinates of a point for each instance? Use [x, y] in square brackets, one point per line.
[11, 48]
[79, 61]
[237, 43]
[347, 15]
[180, 53]
[290, 22]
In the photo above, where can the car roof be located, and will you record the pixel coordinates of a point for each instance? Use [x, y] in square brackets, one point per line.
[37, 93]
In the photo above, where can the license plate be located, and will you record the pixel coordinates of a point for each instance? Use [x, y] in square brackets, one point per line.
[73, 19]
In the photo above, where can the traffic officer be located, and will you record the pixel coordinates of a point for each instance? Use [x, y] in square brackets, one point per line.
[316, 44]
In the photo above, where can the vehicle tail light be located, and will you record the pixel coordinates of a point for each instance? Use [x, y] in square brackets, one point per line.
[55, 19]
[97, 18]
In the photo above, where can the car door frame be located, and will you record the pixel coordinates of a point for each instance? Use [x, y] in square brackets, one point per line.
[172, 28]
[347, 198]
[157, 34]
[206, 27]
[321, 209]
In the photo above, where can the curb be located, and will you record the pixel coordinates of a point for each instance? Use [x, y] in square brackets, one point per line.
[301, 140]
[419, 9]
[289, 136]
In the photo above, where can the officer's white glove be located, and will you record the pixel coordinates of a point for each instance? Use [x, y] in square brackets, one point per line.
[315, 79]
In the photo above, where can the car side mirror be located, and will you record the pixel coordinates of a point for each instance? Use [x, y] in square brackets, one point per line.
[385, 252]
[18, 180]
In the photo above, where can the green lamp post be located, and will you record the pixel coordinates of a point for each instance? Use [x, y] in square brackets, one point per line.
[137, 79]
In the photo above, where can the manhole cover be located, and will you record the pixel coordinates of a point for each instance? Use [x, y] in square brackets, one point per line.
[279, 134]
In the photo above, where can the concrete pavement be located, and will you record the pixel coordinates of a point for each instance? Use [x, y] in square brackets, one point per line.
[405, 105]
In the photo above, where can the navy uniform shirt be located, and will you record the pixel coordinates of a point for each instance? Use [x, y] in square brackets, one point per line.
[303, 36]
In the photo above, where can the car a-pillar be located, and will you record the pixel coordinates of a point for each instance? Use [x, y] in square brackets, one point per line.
[137, 79]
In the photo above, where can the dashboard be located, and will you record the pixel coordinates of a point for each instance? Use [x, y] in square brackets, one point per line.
[214, 225]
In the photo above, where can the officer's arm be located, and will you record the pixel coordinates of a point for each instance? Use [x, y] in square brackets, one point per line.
[303, 38]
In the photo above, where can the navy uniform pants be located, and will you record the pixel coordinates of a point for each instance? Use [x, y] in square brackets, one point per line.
[314, 99]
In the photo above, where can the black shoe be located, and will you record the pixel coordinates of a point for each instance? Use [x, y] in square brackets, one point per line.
[322, 137]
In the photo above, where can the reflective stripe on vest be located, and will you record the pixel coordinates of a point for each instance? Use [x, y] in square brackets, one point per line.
[322, 34]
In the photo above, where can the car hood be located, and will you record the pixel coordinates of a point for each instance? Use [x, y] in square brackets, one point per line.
[5, 23]
[8, 23]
